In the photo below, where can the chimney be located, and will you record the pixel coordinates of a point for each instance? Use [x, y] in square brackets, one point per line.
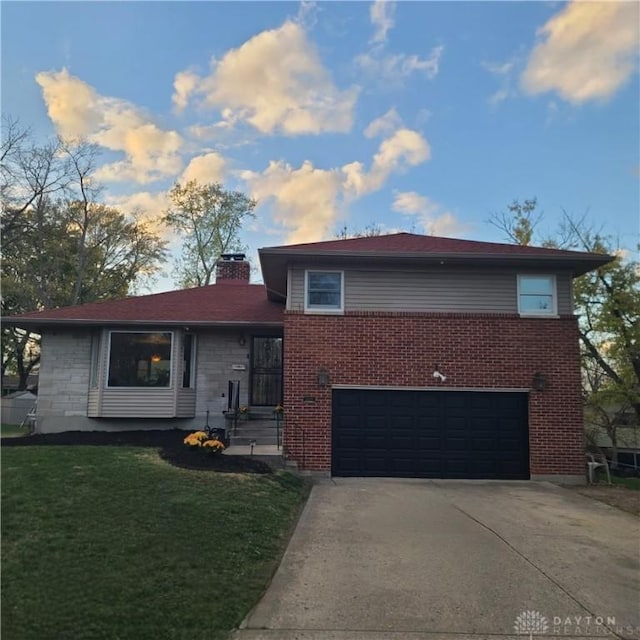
[232, 268]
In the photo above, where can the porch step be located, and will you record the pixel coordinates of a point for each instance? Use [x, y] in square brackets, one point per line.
[258, 450]
[260, 432]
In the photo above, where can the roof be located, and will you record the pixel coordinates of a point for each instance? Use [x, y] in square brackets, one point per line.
[407, 243]
[209, 305]
[243, 303]
[414, 250]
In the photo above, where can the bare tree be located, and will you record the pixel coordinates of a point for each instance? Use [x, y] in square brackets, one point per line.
[370, 231]
[60, 245]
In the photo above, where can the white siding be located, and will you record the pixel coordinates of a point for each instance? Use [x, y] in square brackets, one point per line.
[186, 403]
[93, 404]
[138, 403]
[446, 290]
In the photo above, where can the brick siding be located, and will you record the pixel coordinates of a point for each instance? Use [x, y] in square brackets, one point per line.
[481, 351]
[232, 271]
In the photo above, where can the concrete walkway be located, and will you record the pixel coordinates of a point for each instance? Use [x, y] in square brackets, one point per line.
[450, 560]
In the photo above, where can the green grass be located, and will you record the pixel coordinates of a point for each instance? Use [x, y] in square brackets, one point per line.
[13, 430]
[629, 483]
[114, 543]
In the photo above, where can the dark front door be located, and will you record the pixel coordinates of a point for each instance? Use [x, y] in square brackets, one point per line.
[430, 434]
[266, 371]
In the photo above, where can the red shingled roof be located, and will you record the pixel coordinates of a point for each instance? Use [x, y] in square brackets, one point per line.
[213, 304]
[413, 243]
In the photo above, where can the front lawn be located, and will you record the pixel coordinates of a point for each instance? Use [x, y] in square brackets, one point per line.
[113, 542]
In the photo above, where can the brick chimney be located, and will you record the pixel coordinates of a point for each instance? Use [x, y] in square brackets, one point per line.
[232, 268]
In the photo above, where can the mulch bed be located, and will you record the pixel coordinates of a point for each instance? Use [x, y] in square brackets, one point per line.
[168, 441]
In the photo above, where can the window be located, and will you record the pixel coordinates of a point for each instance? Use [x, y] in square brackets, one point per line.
[188, 360]
[95, 358]
[324, 291]
[140, 359]
[537, 295]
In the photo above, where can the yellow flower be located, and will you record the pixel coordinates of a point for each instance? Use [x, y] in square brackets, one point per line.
[213, 444]
[193, 439]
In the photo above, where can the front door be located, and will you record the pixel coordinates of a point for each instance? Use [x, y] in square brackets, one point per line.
[266, 371]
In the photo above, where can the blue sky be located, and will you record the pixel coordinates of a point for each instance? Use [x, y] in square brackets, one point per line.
[424, 116]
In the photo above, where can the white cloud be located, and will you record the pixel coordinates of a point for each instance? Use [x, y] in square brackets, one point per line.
[73, 105]
[79, 111]
[433, 218]
[382, 18]
[307, 15]
[393, 68]
[405, 148]
[215, 130]
[184, 84]
[147, 206]
[587, 51]
[205, 169]
[385, 124]
[499, 68]
[499, 96]
[305, 199]
[308, 201]
[504, 72]
[276, 82]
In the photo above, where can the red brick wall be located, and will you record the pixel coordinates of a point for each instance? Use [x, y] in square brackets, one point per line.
[402, 349]
[232, 271]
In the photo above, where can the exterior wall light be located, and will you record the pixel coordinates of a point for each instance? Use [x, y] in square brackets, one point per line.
[323, 378]
[242, 340]
[539, 381]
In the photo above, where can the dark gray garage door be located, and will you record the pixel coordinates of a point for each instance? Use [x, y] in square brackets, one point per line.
[430, 434]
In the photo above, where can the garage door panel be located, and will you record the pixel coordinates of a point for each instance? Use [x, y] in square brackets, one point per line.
[429, 443]
[374, 422]
[482, 445]
[508, 445]
[447, 434]
[400, 442]
[375, 442]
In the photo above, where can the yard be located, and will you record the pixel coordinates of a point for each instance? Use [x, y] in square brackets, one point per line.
[623, 493]
[114, 542]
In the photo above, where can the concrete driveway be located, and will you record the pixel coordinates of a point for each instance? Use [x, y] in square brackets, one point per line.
[445, 560]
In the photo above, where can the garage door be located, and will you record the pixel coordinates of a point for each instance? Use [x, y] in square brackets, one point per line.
[430, 434]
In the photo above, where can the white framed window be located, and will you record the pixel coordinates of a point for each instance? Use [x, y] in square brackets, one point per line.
[96, 341]
[537, 295]
[324, 291]
[188, 360]
[140, 359]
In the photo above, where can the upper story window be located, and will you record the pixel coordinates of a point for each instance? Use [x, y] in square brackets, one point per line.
[139, 359]
[537, 295]
[324, 291]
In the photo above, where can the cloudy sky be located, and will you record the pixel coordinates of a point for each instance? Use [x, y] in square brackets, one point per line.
[417, 116]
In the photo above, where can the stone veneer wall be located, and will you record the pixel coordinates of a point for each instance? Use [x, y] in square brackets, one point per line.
[64, 382]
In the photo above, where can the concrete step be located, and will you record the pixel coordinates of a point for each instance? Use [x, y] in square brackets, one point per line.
[249, 429]
[257, 431]
[247, 440]
[258, 450]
